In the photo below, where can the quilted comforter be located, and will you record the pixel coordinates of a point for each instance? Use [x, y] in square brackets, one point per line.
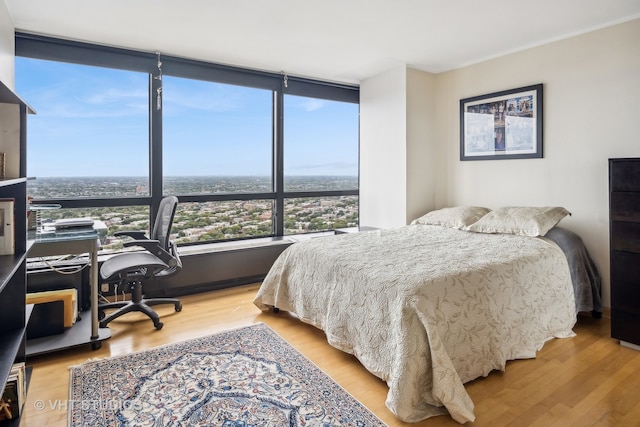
[427, 308]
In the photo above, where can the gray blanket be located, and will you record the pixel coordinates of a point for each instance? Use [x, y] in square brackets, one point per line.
[584, 273]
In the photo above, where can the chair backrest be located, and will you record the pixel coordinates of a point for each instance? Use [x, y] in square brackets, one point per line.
[164, 220]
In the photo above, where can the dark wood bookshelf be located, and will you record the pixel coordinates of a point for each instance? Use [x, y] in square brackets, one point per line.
[9, 264]
[14, 313]
[12, 340]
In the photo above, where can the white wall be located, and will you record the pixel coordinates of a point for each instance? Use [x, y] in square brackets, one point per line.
[397, 167]
[591, 113]
[383, 149]
[7, 47]
[421, 144]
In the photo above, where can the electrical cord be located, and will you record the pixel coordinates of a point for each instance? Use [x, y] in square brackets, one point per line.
[61, 271]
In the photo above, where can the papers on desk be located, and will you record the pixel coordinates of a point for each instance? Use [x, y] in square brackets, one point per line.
[49, 233]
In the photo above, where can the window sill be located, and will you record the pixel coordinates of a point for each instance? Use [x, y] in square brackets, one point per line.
[232, 246]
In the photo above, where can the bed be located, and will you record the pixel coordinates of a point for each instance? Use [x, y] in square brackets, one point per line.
[432, 305]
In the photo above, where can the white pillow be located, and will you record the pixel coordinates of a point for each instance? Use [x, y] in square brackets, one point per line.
[455, 217]
[524, 221]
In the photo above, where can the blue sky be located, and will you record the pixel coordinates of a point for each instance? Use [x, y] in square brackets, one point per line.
[93, 121]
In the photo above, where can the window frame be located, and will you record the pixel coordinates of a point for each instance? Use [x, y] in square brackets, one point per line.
[56, 49]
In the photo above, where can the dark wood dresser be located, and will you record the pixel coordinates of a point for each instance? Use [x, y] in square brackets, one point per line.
[624, 246]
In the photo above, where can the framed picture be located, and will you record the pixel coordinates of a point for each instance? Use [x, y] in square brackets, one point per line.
[502, 125]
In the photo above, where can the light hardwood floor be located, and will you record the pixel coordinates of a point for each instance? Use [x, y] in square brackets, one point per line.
[587, 380]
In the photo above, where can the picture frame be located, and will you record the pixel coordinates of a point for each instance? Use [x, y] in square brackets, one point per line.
[502, 125]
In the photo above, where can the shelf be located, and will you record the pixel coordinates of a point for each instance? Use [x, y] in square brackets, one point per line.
[77, 335]
[7, 96]
[9, 264]
[5, 182]
[11, 342]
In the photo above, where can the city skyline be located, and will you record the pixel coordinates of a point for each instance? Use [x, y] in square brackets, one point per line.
[121, 186]
[204, 221]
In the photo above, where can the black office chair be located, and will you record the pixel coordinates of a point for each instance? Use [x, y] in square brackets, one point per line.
[132, 269]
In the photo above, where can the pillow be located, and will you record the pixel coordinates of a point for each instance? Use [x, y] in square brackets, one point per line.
[524, 221]
[456, 217]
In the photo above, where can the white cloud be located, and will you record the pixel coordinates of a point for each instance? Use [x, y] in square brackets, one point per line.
[312, 104]
[113, 95]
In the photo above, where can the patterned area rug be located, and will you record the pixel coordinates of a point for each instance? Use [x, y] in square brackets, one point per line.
[240, 378]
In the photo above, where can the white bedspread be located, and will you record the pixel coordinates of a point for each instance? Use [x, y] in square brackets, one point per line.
[427, 308]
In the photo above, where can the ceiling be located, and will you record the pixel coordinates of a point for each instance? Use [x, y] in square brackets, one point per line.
[337, 40]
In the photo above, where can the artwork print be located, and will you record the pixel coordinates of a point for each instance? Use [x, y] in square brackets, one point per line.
[502, 125]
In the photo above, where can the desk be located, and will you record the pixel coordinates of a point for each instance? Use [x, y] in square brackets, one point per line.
[50, 242]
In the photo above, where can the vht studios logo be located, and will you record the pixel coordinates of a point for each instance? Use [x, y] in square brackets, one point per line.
[66, 405]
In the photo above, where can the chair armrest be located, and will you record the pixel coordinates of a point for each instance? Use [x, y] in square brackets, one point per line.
[147, 244]
[138, 235]
[153, 247]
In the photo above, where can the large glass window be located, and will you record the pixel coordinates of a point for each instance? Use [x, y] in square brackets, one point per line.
[311, 214]
[320, 144]
[64, 187]
[91, 130]
[217, 221]
[248, 153]
[320, 155]
[217, 138]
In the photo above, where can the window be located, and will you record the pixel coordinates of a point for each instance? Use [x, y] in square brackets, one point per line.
[320, 144]
[217, 138]
[320, 155]
[248, 153]
[311, 214]
[91, 122]
[217, 221]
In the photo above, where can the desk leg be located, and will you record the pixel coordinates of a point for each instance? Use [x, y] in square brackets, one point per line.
[94, 290]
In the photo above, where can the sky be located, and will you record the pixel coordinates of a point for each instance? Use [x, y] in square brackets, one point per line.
[93, 121]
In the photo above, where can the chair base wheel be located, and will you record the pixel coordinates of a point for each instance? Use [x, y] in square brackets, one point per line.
[137, 304]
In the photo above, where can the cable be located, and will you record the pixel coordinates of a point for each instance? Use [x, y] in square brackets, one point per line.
[59, 270]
